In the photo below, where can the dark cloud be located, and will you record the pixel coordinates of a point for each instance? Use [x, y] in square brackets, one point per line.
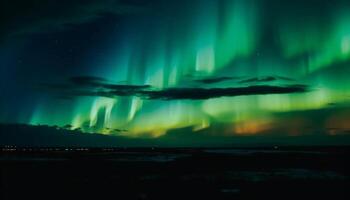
[92, 81]
[21, 17]
[88, 80]
[332, 104]
[265, 79]
[215, 80]
[96, 86]
[203, 93]
[91, 86]
[98, 82]
[118, 130]
[284, 78]
[195, 93]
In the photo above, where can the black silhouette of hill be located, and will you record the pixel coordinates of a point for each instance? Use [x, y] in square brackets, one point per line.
[42, 135]
[47, 136]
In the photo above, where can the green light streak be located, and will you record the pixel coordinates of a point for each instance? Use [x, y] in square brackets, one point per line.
[223, 38]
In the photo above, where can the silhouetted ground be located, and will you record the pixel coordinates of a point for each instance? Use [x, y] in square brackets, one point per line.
[265, 173]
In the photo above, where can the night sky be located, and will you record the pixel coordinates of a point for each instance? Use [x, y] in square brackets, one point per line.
[184, 69]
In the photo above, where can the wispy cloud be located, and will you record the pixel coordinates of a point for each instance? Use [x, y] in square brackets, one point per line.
[265, 79]
[96, 86]
[215, 79]
[203, 93]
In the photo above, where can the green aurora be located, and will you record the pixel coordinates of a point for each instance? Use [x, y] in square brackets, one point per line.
[145, 70]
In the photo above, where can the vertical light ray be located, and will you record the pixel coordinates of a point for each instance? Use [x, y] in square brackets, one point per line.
[205, 34]
[205, 61]
[238, 32]
[136, 105]
[104, 105]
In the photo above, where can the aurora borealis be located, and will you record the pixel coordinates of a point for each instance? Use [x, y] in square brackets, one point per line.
[142, 69]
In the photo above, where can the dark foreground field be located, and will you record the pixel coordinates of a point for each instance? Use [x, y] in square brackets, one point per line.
[283, 173]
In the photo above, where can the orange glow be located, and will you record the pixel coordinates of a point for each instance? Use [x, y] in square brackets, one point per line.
[251, 127]
[338, 124]
[296, 126]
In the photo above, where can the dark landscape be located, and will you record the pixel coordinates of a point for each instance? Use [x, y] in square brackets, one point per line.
[188, 173]
[116, 170]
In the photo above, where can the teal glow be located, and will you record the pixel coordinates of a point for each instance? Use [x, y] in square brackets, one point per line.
[178, 45]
